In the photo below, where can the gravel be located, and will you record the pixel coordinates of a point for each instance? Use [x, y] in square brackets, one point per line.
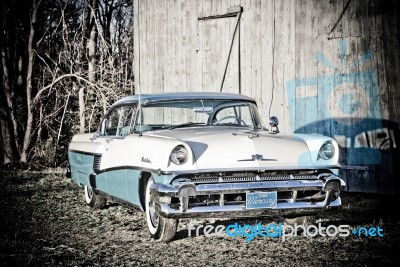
[45, 222]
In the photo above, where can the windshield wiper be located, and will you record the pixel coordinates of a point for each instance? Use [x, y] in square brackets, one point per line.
[186, 124]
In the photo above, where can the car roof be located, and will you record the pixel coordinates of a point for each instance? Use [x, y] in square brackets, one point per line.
[148, 98]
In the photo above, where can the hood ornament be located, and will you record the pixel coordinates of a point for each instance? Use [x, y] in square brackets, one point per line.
[257, 157]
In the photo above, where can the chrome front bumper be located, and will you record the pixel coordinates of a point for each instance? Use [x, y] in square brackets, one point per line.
[162, 195]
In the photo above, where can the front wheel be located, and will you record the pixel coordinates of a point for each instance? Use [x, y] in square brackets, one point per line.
[93, 199]
[161, 229]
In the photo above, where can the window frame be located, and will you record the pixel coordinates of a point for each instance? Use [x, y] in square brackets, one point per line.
[132, 122]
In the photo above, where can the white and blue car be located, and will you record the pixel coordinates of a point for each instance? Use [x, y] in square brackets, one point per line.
[192, 155]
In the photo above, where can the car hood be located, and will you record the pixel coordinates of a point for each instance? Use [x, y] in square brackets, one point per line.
[226, 148]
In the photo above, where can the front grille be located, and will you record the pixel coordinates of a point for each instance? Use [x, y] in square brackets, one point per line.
[96, 163]
[252, 178]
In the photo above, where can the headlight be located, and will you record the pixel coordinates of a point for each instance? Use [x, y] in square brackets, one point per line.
[179, 155]
[327, 151]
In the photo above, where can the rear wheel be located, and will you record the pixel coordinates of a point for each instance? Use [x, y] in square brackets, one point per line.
[93, 199]
[161, 228]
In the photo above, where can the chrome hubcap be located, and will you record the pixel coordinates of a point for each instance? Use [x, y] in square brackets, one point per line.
[152, 213]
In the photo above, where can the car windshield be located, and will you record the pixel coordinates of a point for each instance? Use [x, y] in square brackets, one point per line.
[181, 114]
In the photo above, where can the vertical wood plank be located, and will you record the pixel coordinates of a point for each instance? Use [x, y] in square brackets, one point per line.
[192, 48]
[256, 52]
[284, 59]
[232, 83]
[245, 47]
[159, 43]
[225, 33]
[205, 45]
[181, 45]
[136, 44]
[143, 45]
[305, 95]
[328, 60]
[150, 46]
[199, 51]
[267, 58]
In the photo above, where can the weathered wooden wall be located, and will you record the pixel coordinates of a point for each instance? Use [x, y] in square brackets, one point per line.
[315, 67]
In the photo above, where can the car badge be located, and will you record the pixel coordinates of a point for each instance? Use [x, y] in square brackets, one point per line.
[257, 157]
[146, 160]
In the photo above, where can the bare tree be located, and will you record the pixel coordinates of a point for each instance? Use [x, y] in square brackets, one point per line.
[61, 67]
[29, 78]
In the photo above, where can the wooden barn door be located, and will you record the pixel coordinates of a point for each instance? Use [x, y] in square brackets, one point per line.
[219, 40]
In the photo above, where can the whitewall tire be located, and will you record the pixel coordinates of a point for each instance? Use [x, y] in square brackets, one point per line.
[160, 228]
[93, 199]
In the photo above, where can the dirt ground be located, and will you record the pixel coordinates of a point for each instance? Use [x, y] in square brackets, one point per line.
[44, 221]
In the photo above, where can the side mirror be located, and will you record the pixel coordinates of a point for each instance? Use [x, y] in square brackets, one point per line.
[95, 135]
[273, 122]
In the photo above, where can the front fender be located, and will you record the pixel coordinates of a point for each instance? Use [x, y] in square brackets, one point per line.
[314, 143]
[151, 152]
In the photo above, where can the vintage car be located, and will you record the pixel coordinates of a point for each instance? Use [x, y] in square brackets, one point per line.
[190, 155]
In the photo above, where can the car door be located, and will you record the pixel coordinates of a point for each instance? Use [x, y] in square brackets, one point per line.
[113, 177]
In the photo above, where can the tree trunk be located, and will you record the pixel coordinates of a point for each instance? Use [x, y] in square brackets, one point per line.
[29, 119]
[92, 44]
[81, 96]
[6, 142]
[8, 121]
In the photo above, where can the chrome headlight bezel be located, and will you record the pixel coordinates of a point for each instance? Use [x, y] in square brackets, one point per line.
[327, 151]
[179, 155]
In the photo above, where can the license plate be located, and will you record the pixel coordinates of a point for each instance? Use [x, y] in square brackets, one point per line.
[261, 200]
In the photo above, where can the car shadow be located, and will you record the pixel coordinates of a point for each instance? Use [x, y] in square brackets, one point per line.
[369, 151]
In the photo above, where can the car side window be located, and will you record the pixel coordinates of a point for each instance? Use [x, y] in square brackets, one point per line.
[119, 121]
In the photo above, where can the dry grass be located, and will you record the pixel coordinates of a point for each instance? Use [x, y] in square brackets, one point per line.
[45, 222]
